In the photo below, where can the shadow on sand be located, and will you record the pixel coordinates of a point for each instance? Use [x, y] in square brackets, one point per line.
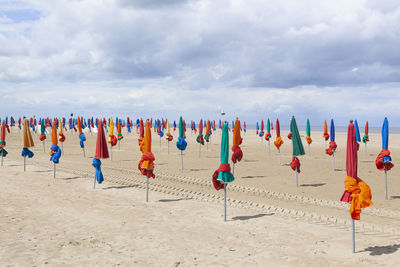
[382, 250]
[245, 218]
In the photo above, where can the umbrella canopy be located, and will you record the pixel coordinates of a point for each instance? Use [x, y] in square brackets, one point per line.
[356, 190]
[261, 133]
[332, 131]
[384, 161]
[27, 140]
[223, 173]
[146, 164]
[168, 134]
[3, 152]
[82, 137]
[298, 148]
[54, 137]
[237, 153]
[365, 137]
[308, 132]
[101, 144]
[325, 135]
[278, 140]
[61, 136]
[42, 131]
[268, 134]
[208, 131]
[357, 130]
[119, 130]
[181, 143]
[200, 138]
[201, 127]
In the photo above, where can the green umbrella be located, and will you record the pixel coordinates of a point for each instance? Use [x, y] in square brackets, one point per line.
[180, 127]
[308, 137]
[42, 136]
[268, 126]
[298, 148]
[223, 176]
[181, 143]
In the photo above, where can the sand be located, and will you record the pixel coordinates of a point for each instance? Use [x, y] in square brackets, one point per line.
[271, 222]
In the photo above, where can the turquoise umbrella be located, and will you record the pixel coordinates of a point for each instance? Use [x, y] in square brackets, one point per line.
[223, 174]
[298, 149]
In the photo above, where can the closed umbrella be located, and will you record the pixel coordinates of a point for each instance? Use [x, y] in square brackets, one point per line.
[3, 151]
[268, 135]
[27, 142]
[82, 137]
[298, 149]
[146, 163]
[332, 145]
[308, 137]
[384, 162]
[101, 153]
[325, 135]
[278, 140]
[181, 143]
[222, 176]
[357, 192]
[55, 151]
[237, 153]
[366, 137]
[112, 139]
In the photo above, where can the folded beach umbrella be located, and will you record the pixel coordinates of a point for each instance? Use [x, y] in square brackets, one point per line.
[332, 145]
[141, 132]
[208, 132]
[42, 136]
[181, 143]
[3, 151]
[27, 142]
[168, 135]
[61, 136]
[55, 151]
[308, 137]
[174, 125]
[257, 128]
[365, 138]
[200, 138]
[357, 192]
[119, 133]
[237, 153]
[268, 135]
[261, 133]
[290, 131]
[244, 127]
[128, 125]
[146, 163]
[82, 137]
[384, 162]
[278, 140]
[112, 139]
[223, 174]
[298, 149]
[101, 153]
[357, 130]
[325, 135]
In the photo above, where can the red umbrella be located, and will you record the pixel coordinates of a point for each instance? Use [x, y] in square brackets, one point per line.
[357, 192]
[278, 140]
[101, 153]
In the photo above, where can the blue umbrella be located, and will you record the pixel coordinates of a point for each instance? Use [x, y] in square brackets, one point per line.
[332, 131]
[385, 135]
[358, 138]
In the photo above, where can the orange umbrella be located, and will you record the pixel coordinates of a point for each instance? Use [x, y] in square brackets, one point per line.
[146, 163]
[278, 140]
[326, 135]
[27, 142]
[237, 153]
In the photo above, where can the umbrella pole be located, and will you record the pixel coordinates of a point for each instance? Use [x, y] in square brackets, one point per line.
[260, 140]
[54, 170]
[2, 159]
[110, 151]
[365, 150]
[24, 163]
[233, 169]
[147, 187]
[269, 147]
[224, 202]
[119, 145]
[333, 161]
[44, 149]
[325, 144]
[94, 182]
[199, 149]
[353, 236]
[279, 156]
[181, 160]
[297, 177]
[386, 191]
[309, 154]
[207, 146]
[83, 149]
[62, 148]
[168, 147]
[160, 140]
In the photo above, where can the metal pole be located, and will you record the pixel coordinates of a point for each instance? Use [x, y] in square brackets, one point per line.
[353, 235]
[168, 147]
[44, 150]
[224, 202]
[1, 159]
[24, 163]
[269, 147]
[62, 148]
[94, 182]
[181, 160]
[325, 144]
[54, 170]
[297, 177]
[147, 187]
[309, 154]
[84, 155]
[333, 160]
[119, 145]
[386, 191]
[110, 151]
[365, 150]
[207, 146]
[160, 140]
[233, 169]
[199, 149]
[279, 156]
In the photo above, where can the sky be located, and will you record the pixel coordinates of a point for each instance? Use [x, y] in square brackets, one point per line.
[255, 59]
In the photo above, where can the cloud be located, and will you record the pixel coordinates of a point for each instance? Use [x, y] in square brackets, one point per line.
[264, 58]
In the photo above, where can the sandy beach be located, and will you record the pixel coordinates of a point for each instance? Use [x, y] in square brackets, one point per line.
[271, 222]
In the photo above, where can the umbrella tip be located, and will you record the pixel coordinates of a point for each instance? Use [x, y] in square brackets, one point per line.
[351, 121]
